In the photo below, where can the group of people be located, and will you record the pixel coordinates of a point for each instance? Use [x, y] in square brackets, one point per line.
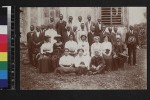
[81, 48]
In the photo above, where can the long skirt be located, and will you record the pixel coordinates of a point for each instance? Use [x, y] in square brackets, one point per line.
[65, 70]
[55, 60]
[45, 64]
[81, 70]
[108, 62]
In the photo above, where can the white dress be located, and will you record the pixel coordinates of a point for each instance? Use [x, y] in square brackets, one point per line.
[85, 46]
[96, 47]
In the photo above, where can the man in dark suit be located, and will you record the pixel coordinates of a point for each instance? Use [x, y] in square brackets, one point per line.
[60, 26]
[67, 34]
[112, 36]
[103, 33]
[38, 40]
[52, 22]
[89, 23]
[132, 43]
[98, 26]
[30, 43]
[91, 35]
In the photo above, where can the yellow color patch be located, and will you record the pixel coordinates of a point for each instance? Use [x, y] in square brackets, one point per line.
[3, 56]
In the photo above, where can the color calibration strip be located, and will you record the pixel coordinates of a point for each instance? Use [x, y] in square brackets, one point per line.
[3, 48]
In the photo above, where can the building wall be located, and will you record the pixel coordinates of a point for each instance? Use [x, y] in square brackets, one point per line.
[40, 15]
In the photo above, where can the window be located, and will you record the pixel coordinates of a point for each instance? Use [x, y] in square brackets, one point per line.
[111, 15]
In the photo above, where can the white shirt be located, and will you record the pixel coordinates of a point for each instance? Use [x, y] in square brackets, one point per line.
[79, 25]
[96, 47]
[71, 45]
[85, 46]
[38, 34]
[47, 46]
[68, 33]
[80, 33]
[89, 25]
[79, 59]
[99, 25]
[107, 45]
[66, 60]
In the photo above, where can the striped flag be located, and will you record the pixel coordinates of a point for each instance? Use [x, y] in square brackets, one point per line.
[3, 49]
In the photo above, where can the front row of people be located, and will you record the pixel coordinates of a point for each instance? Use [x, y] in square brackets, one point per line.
[75, 58]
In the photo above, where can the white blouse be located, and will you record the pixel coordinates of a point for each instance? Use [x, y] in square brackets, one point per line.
[71, 45]
[85, 46]
[52, 33]
[47, 46]
[66, 60]
[107, 45]
[85, 59]
[96, 47]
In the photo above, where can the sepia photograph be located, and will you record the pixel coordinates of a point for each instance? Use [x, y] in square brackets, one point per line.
[83, 48]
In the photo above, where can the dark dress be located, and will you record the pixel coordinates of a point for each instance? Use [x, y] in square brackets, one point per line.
[45, 59]
[57, 53]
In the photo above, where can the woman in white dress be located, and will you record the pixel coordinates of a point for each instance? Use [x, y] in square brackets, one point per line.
[45, 57]
[96, 46]
[71, 45]
[107, 53]
[83, 44]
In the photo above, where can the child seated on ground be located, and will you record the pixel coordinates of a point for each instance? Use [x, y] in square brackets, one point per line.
[97, 64]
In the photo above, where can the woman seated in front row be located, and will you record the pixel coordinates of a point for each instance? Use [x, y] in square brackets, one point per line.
[97, 64]
[66, 64]
[81, 63]
[45, 61]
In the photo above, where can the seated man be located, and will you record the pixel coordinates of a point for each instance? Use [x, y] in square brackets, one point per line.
[97, 64]
[81, 63]
[66, 63]
[120, 56]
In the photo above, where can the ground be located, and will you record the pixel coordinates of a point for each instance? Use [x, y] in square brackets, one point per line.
[132, 77]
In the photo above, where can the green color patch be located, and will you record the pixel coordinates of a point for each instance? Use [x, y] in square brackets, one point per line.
[3, 65]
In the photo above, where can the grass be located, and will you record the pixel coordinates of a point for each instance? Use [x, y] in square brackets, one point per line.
[132, 77]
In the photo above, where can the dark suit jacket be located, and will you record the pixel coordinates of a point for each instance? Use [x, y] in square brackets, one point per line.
[66, 37]
[37, 40]
[92, 24]
[128, 34]
[102, 35]
[97, 30]
[61, 27]
[30, 40]
[91, 38]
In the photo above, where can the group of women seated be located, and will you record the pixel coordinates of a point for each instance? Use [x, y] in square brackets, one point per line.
[80, 58]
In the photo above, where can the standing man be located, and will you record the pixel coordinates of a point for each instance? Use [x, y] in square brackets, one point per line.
[98, 26]
[70, 23]
[60, 26]
[91, 36]
[81, 32]
[38, 40]
[79, 23]
[52, 22]
[30, 43]
[89, 23]
[103, 33]
[112, 36]
[67, 34]
[132, 43]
